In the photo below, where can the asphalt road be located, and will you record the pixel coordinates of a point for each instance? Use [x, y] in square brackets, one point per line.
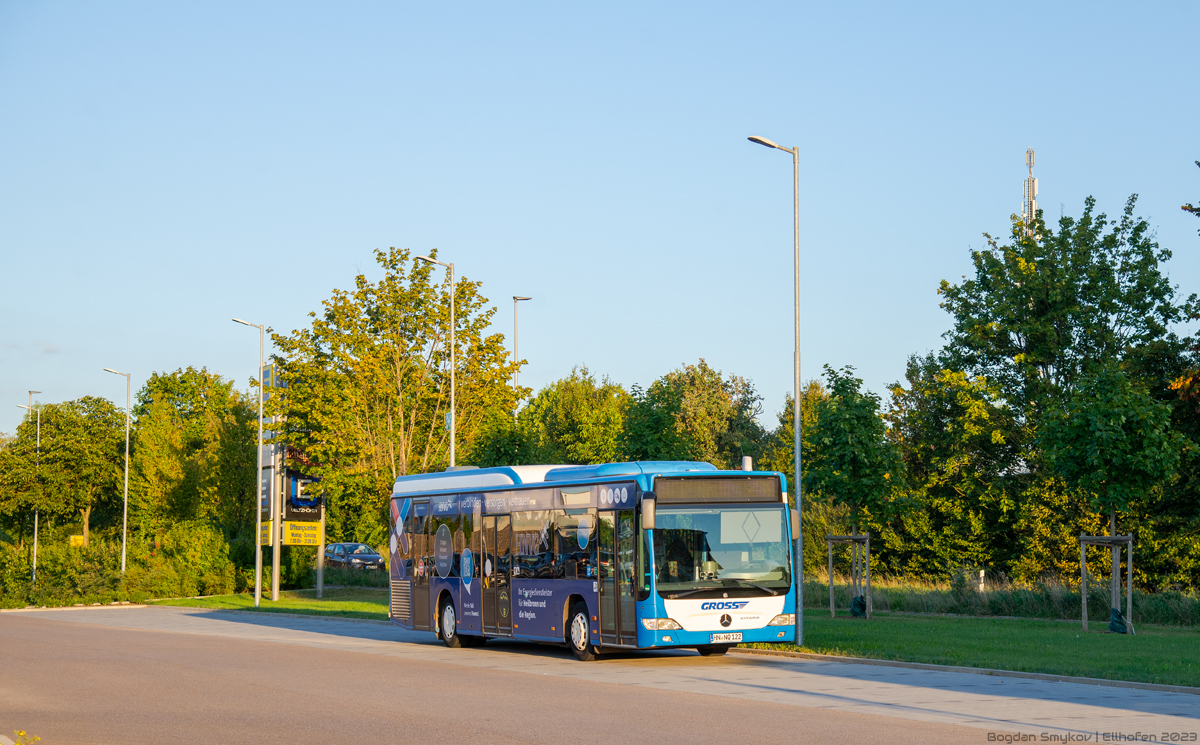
[163, 675]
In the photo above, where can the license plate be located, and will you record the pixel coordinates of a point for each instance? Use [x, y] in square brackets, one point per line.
[726, 637]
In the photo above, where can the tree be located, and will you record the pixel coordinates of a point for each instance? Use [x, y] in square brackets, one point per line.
[368, 386]
[576, 420]
[957, 437]
[1045, 310]
[779, 451]
[853, 461]
[194, 456]
[1111, 440]
[694, 413]
[82, 456]
[20, 488]
[1189, 207]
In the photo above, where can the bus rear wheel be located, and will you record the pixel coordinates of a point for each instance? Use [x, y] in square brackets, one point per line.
[577, 634]
[448, 625]
[713, 650]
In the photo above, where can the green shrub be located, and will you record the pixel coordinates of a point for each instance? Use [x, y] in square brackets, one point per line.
[192, 558]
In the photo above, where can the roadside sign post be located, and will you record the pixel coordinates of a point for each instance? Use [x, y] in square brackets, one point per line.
[303, 518]
[272, 474]
[321, 559]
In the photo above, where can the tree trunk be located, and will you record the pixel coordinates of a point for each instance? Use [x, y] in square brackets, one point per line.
[86, 513]
[1116, 560]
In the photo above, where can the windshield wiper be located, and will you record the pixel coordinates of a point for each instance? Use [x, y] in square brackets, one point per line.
[757, 587]
[685, 593]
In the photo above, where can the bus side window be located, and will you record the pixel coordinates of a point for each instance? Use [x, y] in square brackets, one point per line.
[573, 545]
[559, 547]
[532, 551]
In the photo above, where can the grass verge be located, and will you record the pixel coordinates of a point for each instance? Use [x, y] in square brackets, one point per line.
[1157, 654]
[344, 602]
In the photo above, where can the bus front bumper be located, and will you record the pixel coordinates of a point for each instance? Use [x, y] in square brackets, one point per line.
[683, 638]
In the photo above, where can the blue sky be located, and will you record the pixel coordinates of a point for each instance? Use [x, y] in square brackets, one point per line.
[168, 166]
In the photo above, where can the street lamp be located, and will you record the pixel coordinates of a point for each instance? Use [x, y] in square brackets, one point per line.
[258, 476]
[798, 538]
[516, 370]
[37, 470]
[125, 515]
[453, 417]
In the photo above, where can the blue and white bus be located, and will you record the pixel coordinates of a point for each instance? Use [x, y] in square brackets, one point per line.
[619, 556]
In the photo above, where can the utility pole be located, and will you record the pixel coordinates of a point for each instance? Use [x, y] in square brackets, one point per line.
[38, 471]
[453, 412]
[516, 359]
[258, 480]
[125, 510]
[798, 538]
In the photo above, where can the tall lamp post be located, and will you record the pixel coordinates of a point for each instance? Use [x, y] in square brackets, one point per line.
[453, 412]
[516, 370]
[37, 469]
[258, 475]
[125, 513]
[798, 538]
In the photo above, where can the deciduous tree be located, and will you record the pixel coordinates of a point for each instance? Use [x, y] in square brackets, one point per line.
[854, 463]
[368, 386]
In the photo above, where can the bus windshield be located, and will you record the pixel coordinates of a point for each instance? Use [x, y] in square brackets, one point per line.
[715, 547]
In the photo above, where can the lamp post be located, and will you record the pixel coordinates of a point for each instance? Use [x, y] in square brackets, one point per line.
[798, 538]
[258, 476]
[37, 470]
[516, 370]
[125, 511]
[453, 413]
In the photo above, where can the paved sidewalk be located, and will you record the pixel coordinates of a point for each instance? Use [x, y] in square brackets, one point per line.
[986, 702]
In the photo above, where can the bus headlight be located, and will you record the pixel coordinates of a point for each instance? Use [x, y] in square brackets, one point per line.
[661, 624]
[783, 619]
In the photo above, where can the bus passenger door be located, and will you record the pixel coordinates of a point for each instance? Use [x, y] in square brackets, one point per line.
[616, 541]
[626, 579]
[487, 570]
[422, 552]
[500, 575]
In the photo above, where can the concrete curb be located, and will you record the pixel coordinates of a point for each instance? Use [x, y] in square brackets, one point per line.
[269, 614]
[972, 670]
[40, 609]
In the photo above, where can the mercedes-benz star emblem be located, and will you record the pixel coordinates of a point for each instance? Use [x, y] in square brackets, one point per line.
[726, 620]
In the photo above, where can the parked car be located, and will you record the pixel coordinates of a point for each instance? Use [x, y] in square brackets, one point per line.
[353, 556]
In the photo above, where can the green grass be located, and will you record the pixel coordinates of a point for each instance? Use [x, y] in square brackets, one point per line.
[1157, 654]
[345, 602]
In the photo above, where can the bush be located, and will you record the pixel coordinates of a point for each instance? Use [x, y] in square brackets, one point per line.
[192, 558]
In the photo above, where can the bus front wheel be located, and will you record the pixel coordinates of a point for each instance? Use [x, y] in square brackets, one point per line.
[449, 625]
[577, 634]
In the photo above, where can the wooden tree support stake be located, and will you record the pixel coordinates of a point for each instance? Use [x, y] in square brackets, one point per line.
[860, 567]
[1115, 542]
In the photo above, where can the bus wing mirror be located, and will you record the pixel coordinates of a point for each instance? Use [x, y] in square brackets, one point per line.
[649, 499]
[795, 523]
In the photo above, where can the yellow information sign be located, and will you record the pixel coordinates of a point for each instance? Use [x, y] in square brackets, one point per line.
[296, 533]
[77, 540]
[264, 537]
